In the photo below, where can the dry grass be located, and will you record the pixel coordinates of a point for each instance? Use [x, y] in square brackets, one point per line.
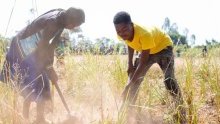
[92, 86]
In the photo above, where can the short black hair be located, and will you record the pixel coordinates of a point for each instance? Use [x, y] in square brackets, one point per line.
[122, 17]
[75, 15]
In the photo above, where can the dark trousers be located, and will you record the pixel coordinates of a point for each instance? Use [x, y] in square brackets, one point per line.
[165, 60]
[26, 74]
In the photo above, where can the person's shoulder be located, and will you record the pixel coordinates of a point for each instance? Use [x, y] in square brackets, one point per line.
[52, 16]
[156, 30]
[53, 10]
[139, 28]
[142, 30]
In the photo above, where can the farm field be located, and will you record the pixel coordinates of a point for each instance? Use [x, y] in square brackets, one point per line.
[92, 86]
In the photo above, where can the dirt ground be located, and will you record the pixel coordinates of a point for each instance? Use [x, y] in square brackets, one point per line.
[101, 106]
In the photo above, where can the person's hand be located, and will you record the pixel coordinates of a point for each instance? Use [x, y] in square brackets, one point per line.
[52, 75]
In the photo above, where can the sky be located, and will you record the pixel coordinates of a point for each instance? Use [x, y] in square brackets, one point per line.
[199, 16]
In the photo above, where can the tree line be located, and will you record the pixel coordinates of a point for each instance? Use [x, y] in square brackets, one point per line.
[76, 42]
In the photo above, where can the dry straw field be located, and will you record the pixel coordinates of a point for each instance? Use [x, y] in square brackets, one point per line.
[92, 86]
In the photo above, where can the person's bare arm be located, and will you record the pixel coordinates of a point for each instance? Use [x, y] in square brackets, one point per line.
[141, 66]
[130, 60]
[137, 73]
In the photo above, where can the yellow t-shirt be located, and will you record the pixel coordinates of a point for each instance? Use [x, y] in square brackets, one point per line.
[149, 38]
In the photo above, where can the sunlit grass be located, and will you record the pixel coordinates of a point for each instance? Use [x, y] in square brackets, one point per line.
[92, 86]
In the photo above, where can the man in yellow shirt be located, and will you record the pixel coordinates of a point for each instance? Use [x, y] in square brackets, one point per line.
[154, 46]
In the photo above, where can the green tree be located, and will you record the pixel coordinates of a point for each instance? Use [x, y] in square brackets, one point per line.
[166, 25]
[173, 32]
[192, 39]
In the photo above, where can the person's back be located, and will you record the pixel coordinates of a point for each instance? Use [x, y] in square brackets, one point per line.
[154, 34]
[41, 29]
[42, 22]
[152, 38]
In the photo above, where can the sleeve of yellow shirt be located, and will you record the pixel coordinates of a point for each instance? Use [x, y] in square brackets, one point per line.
[147, 41]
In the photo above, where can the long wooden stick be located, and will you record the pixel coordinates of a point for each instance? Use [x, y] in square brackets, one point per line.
[61, 96]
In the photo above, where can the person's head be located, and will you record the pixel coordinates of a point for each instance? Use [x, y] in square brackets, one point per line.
[123, 25]
[74, 17]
